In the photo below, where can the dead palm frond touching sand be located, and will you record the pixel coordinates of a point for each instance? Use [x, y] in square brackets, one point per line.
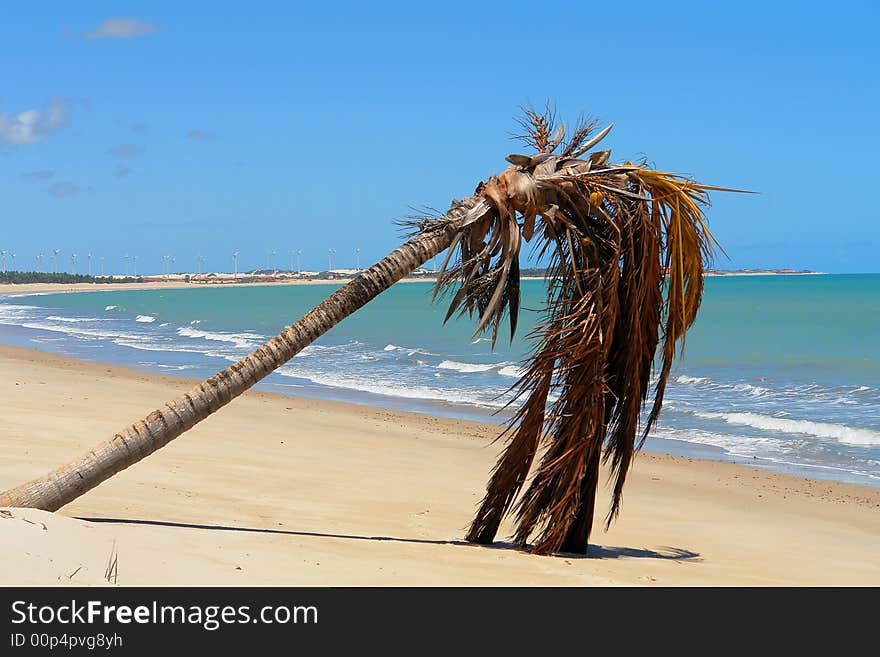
[626, 247]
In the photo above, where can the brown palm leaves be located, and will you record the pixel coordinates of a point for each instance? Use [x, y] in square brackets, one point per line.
[626, 246]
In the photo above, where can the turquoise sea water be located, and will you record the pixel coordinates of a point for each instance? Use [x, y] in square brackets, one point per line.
[779, 371]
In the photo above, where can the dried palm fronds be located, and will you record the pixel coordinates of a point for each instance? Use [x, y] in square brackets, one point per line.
[627, 246]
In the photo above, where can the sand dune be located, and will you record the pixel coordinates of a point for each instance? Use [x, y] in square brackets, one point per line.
[274, 490]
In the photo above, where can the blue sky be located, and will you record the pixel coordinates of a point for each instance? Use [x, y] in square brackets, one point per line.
[167, 128]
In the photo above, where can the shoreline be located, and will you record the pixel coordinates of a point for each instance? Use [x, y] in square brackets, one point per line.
[21, 289]
[284, 490]
[678, 447]
[431, 407]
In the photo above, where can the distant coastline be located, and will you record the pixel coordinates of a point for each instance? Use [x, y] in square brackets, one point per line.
[31, 283]
[764, 272]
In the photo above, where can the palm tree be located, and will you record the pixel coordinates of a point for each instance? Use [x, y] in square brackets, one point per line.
[626, 245]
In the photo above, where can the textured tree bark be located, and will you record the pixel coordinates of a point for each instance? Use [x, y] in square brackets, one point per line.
[127, 447]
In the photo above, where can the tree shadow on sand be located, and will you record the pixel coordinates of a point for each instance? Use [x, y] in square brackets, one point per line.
[595, 551]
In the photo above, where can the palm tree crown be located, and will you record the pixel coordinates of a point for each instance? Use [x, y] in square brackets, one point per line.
[626, 247]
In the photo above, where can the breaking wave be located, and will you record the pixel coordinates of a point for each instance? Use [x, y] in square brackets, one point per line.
[244, 340]
[56, 318]
[465, 367]
[839, 432]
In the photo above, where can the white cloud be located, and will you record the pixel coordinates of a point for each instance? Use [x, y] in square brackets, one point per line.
[36, 175]
[200, 135]
[126, 151]
[62, 189]
[32, 125]
[120, 27]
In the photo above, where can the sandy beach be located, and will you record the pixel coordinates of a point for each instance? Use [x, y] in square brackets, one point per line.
[48, 288]
[280, 491]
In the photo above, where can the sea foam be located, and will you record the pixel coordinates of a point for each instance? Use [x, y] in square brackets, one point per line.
[244, 340]
[465, 367]
[839, 432]
[391, 388]
[705, 382]
[78, 332]
[58, 318]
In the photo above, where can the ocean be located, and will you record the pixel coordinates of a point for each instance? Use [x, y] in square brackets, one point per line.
[779, 372]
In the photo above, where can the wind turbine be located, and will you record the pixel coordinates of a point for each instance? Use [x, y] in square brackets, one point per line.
[55, 253]
[357, 253]
[201, 261]
[299, 267]
[269, 256]
[39, 262]
[89, 256]
[135, 260]
[126, 264]
[330, 254]
[292, 252]
[13, 261]
[102, 266]
[73, 264]
[235, 264]
[2, 260]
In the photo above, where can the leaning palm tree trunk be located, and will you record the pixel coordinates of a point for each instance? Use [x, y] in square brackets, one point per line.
[127, 447]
